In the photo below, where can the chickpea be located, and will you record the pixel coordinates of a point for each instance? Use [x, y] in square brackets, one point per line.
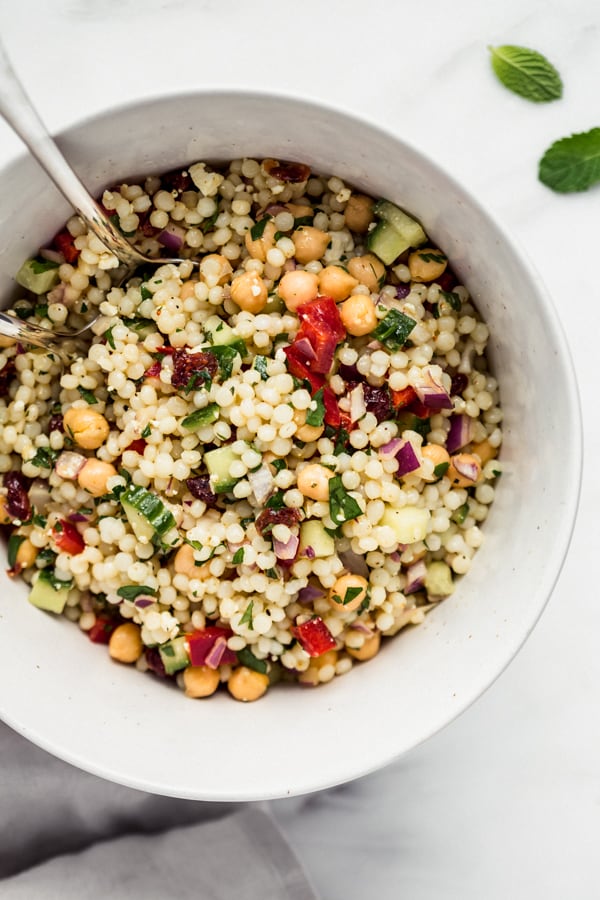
[438, 456]
[200, 681]
[304, 432]
[94, 475]
[87, 427]
[367, 270]
[245, 684]
[5, 516]
[6, 341]
[369, 649]
[215, 269]
[310, 243]
[184, 563]
[457, 478]
[26, 555]
[359, 213]
[259, 248]
[313, 481]
[342, 585]
[358, 315]
[334, 282]
[249, 292]
[428, 268]
[187, 289]
[484, 451]
[125, 643]
[298, 287]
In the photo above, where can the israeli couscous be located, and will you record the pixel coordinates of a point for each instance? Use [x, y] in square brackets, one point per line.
[266, 460]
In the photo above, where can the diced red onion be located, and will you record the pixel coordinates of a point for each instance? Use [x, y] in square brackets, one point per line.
[261, 483]
[286, 549]
[466, 468]
[52, 255]
[358, 407]
[460, 434]
[69, 465]
[395, 556]
[171, 237]
[143, 602]
[310, 593]
[273, 209]
[388, 451]
[215, 654]
[57, 294]
[354, 563]
[415, 577]
[77, 517]
[305, 348]
[407, 459]
[362, 627]
[431, 392]
[309, 552]
[402, 291]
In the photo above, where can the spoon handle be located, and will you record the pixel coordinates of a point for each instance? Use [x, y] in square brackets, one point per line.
[20, 114]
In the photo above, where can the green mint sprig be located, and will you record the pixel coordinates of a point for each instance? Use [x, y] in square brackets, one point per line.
[527, 73]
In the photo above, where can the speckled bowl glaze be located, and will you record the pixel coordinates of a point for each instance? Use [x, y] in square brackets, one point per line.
[63, 693]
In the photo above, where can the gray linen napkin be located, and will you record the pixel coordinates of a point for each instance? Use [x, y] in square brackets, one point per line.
[66, 834]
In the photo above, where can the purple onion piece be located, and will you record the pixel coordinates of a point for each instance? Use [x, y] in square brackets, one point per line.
[171, 238]
[143, 602]
[407, 459]
[432, 393]
[155, 663]
[52, 255]
[77, 517]
[17, 499]
[460, 434]
[415, 577]
[466, 468]
[286, 550]
[402, 291]
[362, 627]
[309, 552]
[378, 401]
[388, 451]
[354, 563]
[215, 654]
[310, 593]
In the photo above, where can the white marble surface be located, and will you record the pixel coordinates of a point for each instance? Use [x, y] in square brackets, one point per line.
[506, 801]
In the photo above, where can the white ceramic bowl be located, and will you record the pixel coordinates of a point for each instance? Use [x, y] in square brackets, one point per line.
[64, 693]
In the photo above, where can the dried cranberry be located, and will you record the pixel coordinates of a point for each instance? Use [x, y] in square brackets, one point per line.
[177, 180]
[402, 291]
[377, 401]
[447, 280]
[145, 226]
[6, 376]
[187, 365]
[287, 171]
[459, 383]
[349, 373]
[199, 487]
[56, 423]
[155, 663]
[17, 499]
[271, 517]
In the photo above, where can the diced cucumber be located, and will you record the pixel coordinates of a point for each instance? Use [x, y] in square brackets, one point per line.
[38, 276]
[218, 462]
[313, 534]
[438, 580]
[386, 243]
[146, 513]
[47, 593]
[220, 332]
[407, 227]
[174, 655]
[409, 523]
[201, 417]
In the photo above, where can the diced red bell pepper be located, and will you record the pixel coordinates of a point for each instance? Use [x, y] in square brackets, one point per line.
[137, 445]
[297, 366]
[404, 397]
[420, 410]
[321, 325]
[67, 538]
[314, 636]
[333, 414]
[65, 244]
[200, 643]
[153, 371]
[102, 629]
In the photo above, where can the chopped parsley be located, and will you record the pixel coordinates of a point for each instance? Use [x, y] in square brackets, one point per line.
[247, 617]
[315, 416]
[276, 501]
[248, 659]
[279, 464]
[145, 292]
[394, 329]
[257, 230]
[459, 515]
[88, 396]
[194, 381]
[14, 542]
[303, 220]
[432, 257]
[108, 334]
[210, 222]
[44, 457]
[340, 442]
[342, 507]
[40, 521]
[146, 432]
[260, 364]
[441, 469]
[238, 558]
[39, 265]
[131, 591]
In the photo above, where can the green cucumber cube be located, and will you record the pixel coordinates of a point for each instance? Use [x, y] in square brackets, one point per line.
[174, 655]
[47, 594]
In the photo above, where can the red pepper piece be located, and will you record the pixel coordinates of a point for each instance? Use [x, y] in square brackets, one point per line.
[137, 445]
[403, 398]
[321, 324]
[153, 371]
[200, 643]
[67, 538]
[314, 636]
[420, 410]
[287, 171]
[65, 244]
[333, 414]
[102, 629]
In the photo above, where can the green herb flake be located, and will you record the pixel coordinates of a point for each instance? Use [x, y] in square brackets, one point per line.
[279, 464]
[432, 257]
[303, 220]
[209, 223]
[131, 591]
[39, 265]
[88, 396]
[459, 515]
[14, 542]
[44, 457]
[452, 299]
[526, 72]
[41, 310]
[276, 501]
[441, 469]
[394, 329]
[39, 521]
[342, 507]
[272, 573]
[364, 605]
[315, 416]
[146, 432]
[226, 355]
[195, 380]
[247, 658]
[257, 230]
[340, 442]
[572, 163]
[247, 617]
[260, 364]
[351, 594]
[238, 558]
[145, 292]
[108, 334]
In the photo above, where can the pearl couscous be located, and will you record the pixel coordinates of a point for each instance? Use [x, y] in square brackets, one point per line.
[270, 455]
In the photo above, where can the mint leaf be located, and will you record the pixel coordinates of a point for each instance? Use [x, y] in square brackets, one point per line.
[572, 163]
[527, 73]
[315, 416]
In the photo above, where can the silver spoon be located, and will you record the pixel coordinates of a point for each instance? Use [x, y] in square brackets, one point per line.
[17, 110]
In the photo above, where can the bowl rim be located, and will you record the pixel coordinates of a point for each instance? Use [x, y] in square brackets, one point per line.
[573, 458]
